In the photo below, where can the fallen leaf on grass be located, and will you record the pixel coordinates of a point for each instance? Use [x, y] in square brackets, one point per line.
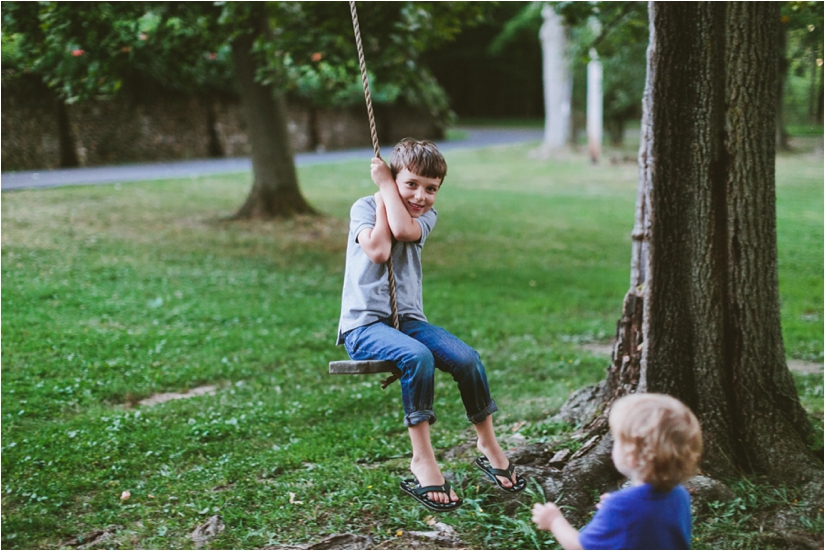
[292, 499]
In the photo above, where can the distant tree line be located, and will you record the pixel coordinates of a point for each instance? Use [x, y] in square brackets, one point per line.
[494, 69]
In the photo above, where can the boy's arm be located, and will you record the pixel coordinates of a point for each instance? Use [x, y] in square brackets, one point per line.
[377, 241]
[549, 517]
[402, 225]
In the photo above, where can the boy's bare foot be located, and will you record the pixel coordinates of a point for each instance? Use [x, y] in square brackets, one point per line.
[498, 460]
[428, 474]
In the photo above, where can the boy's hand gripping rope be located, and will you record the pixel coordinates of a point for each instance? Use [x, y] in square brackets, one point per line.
[390, 274]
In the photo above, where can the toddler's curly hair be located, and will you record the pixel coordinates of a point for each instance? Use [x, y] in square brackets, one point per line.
[420, 157]
[661, 435]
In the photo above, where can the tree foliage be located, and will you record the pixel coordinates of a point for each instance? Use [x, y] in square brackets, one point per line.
[802, 25]
[92, 49]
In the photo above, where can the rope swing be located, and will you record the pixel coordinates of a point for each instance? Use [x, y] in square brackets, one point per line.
[372, 366]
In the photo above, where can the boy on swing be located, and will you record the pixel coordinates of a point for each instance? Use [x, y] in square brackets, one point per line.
[396, 221]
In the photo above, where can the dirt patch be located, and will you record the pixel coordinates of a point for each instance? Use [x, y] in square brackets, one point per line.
[207, 531]
[167, 396]
[95, 537]
[600, 349]
[798, 366]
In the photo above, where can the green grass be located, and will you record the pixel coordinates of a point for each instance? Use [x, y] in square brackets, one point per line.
[806, 130]
[114, 293]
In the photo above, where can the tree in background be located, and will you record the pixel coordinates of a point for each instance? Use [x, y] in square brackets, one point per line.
[557, 81]
[83, 51]
[800, 67]
[489, 78]
[701, 320]
[619, 38]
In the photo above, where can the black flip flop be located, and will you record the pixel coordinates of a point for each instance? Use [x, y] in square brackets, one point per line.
[521, 483]
[412, 487]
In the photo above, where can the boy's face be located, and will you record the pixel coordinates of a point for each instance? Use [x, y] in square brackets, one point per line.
[417, 192]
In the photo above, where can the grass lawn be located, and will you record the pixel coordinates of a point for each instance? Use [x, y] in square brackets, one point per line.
[114, 293]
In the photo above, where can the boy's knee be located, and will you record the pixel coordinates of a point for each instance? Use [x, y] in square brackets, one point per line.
[467, 360]
[418, 358]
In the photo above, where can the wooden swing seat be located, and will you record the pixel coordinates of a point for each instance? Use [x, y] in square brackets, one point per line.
[364, 367]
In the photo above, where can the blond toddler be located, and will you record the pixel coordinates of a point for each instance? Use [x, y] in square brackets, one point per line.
[657, 443]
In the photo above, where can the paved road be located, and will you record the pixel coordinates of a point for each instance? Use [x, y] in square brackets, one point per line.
[476, 137]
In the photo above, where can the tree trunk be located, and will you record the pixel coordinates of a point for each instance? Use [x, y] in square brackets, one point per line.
[813, 96]
[717, 344]
[615, 129]
[701, 320]
[275, 191]
[595, 101]
[68, 153]
[557, 81]
[214, 147]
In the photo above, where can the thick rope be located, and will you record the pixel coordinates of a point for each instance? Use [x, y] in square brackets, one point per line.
[376, 148]
[364, 80]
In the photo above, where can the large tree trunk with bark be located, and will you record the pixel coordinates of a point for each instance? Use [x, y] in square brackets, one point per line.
[701, 320]
[713, 331]
[275, 191]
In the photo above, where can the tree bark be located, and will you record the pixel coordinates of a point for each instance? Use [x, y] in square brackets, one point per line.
[214, 148]
[275, 191]
[716, 343]
[701, 320]
[68, 152]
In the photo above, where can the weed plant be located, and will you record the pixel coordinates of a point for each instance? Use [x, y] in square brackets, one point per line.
[114, 293]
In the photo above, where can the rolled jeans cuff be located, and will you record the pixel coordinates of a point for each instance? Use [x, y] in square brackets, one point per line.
[420, 416]
[482, 415]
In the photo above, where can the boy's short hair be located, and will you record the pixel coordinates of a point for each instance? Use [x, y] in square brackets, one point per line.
[420, 157]
[662, 436]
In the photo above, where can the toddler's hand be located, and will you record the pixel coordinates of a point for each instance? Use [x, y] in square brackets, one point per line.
[602, 497]
[544, 515]
[380, 172]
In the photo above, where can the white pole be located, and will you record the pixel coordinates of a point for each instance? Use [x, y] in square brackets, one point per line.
[594, 107]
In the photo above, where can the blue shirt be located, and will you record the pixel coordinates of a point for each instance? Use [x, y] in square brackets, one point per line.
[640, 517]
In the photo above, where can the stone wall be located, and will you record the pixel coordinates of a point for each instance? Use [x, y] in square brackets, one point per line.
[170, 127]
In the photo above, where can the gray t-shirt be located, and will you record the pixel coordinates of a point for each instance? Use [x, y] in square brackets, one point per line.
[366, 296]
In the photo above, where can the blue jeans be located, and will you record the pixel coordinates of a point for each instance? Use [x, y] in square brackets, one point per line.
[417, 349]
